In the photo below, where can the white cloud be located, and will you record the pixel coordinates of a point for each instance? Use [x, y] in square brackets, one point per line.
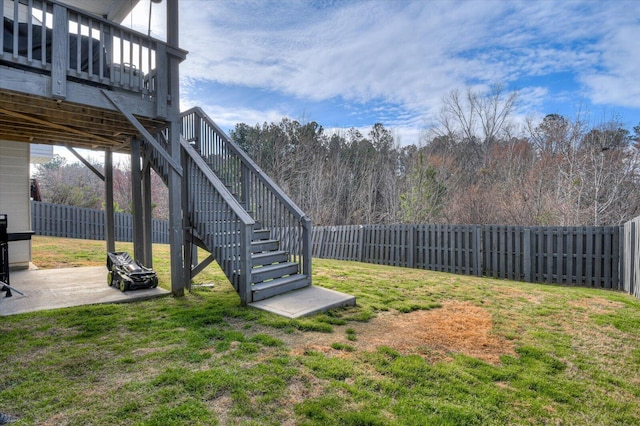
[616, 80]
[227, 118]
[411, 54]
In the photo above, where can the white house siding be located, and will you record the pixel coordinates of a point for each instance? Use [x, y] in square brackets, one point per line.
[14, 198]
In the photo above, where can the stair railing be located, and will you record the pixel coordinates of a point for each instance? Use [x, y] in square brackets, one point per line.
[255, 191]
[220, 222]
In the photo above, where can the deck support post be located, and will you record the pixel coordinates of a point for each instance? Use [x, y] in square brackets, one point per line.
[136, 201]
[176, 236]
[109, 211]
[147, 256]
[188, 246]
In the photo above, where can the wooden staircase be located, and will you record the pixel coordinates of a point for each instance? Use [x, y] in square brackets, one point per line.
[232, 210]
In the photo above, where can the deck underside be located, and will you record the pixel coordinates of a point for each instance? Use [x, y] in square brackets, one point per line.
[34, 119]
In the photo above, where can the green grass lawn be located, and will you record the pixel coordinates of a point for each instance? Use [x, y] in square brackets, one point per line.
[421, 348]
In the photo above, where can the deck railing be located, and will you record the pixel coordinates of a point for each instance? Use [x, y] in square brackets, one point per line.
[257, 193]
[70, 44]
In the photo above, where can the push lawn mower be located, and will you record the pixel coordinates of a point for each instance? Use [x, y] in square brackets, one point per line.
[128, 274]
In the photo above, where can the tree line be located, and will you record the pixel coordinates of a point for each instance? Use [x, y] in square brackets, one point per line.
[74, 184]
[475, 166]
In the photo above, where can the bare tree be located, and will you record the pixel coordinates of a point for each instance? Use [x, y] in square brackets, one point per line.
[69, 184]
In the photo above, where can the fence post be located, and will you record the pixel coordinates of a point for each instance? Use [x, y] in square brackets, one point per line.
[631, 258]
[526, 255]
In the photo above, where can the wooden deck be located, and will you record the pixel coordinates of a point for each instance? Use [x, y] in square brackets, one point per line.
[58, 63]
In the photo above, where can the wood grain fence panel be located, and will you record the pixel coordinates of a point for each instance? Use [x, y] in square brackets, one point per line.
[369, 246]
[627, 256]
[430, 253]
[383, 244]
[512, 253]
[636, 259]
[558, 254]
[501, 251]
[411, 247]
[402, 255]
[570, 258]
[461, 267]
[495, 251]
[366, 245]
[590, 266]
[617, 254]
[447, 262]
[418, 241]
[385, 239]
[444, 252]
[606, 259]
[394, 245]
[597, 258]
[485, 260]
[379, 245]
[367, 253]
[422, 246]
[548, 254]
[340, 243]
[438, 246]
[580, 257]
[352, 253]
[632, 257]
[392, 233]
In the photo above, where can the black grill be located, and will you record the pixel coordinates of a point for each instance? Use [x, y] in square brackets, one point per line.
[5, 237]
[4, 255]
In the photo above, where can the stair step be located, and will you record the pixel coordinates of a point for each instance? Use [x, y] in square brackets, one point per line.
[264, 245]
[272, 288]
[277, 270]
[261, 234]
[269, 257]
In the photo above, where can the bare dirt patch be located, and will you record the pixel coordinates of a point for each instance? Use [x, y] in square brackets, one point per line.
[456, 327]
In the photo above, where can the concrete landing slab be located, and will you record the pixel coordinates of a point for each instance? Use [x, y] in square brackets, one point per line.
[306, 301]
[61, 288]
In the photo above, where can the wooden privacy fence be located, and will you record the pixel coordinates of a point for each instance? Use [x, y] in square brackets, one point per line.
[57, 220]
[599, 257]
[583, 256]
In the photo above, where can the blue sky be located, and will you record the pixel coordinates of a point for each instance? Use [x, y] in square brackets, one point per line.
[354, 63]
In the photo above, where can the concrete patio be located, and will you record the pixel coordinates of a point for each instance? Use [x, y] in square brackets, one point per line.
[61, 288]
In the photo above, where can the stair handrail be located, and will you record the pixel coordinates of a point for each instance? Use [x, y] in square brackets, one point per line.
[304, 221]
[247, 161]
